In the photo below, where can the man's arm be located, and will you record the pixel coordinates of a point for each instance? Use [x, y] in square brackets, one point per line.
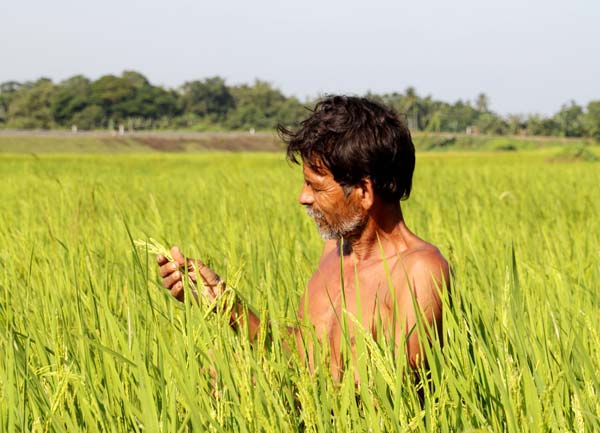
[213, 287]
[172, 275]
[172, 279]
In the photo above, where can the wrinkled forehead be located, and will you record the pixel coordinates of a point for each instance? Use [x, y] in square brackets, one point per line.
[316, 164]
[315, 169]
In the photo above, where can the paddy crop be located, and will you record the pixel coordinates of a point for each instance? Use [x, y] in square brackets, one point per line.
[90, 341]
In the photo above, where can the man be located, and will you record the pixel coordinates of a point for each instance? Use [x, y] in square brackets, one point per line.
[358, 160]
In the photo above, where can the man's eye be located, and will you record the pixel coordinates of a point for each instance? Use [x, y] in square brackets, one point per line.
[312, 187]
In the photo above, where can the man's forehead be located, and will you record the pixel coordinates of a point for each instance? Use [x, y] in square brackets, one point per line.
[322, 173]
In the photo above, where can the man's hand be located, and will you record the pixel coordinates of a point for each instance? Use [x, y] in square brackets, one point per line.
[172, 276]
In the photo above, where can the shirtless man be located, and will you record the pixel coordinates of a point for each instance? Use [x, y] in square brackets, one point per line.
[358, 160]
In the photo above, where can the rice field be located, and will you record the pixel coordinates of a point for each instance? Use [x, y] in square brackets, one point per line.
[89, 340]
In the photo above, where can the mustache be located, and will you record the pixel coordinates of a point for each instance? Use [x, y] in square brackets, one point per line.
[313, 213]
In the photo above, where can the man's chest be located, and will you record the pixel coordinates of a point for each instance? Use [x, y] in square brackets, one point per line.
[337, 291]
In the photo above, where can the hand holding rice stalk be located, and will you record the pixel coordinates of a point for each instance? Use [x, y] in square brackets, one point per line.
[212, 284]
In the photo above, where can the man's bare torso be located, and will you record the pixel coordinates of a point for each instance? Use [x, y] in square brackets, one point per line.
[370, 290]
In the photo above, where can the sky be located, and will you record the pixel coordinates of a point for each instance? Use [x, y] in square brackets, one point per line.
[527, 56]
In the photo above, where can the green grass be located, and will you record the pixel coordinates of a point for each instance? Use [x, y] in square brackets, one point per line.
[506, 143]
[89, 341]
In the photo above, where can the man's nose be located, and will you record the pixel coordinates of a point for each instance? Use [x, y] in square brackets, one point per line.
[306, 197]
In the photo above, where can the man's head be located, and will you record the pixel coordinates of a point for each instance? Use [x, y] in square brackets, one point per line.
[346, 143]
[355, 138]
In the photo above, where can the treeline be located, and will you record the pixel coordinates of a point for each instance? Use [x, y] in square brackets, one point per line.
[130, 101]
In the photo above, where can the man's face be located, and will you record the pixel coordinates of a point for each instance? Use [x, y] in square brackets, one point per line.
[336, 213]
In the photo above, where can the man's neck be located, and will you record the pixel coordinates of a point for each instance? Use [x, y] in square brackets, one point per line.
[384, 235]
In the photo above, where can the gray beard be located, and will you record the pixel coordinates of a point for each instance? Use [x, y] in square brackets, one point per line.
[340, 230]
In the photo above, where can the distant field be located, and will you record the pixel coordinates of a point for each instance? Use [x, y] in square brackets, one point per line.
[105, 142]
[177, 142]
[89, 341]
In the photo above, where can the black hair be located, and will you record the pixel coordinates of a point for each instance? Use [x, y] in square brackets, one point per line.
[356, 138]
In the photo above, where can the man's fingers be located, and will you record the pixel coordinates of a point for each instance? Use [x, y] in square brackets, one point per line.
[177, 291]
[180, 259]
[167, 268]
[170, 280]
[208, 275]
[194, 267]
[177, 256]
[171, 272]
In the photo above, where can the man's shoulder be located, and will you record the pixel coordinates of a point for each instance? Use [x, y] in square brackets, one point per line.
[425, 262]
[423, 254]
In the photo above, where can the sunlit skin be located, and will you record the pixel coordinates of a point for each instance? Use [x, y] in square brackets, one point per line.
[382, 239]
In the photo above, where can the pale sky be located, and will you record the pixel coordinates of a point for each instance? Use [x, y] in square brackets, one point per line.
[528, 56]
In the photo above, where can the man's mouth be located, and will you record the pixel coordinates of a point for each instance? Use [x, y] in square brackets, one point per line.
[315, 214]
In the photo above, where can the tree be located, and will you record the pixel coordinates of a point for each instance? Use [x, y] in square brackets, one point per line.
[112, 94]
[570, 120]
[416, 110]
[538, 125]
[92, 116]
[291, 112]
[8, 90]
[591, 120]
[135, 79]
[210, 97]
[435, 122]
[490, 123]
[31, 105]
[411, 107]
[516, 124]
[257, 106]
[71, 96]
[460, 115]
[132, 100]
[132, 96]
[482, 103]
[147, 101]
[151, 102]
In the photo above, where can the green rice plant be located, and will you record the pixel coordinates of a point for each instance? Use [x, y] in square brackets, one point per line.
[225, 301]
[155, 248]
[90, 341]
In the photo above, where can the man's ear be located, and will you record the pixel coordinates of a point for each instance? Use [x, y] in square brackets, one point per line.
[367, 195]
